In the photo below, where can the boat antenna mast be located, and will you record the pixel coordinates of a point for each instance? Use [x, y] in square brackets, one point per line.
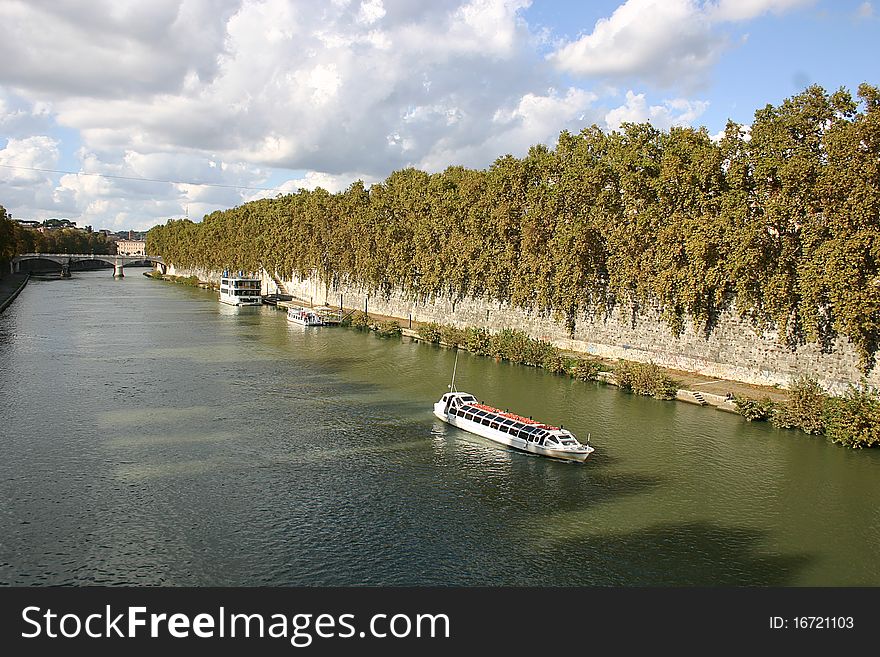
[454, 366]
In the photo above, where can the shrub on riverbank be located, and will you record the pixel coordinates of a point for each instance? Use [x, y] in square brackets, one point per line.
[360, 321]
[192, 281]
[854, 419]
[754, 410]
[517, 347]
[451, 335]
[584, 369]
[430, 332]
[387, 329]
[645, 379]
[804, 408]
[478, 341]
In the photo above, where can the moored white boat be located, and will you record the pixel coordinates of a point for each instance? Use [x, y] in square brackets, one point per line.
[240, 290]
[304, 317]
[462, 410]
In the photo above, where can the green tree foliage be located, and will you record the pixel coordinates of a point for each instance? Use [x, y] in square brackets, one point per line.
[7, 240]
[780, 222]
[16, 239]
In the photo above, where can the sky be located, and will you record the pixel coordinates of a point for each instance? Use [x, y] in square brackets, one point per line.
[122, 115]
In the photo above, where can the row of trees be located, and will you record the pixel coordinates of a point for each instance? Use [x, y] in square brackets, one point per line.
[15, 239]
[780, 220]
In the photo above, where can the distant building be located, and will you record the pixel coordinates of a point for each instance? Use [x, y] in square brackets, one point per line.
[27, 223]
[131, 247]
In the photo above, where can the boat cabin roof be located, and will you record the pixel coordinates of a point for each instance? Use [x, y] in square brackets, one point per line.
[509, 418]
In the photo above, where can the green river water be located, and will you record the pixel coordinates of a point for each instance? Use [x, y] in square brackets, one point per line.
[151, 435]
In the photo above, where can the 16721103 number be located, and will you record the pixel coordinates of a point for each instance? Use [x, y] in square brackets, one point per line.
[823, 622]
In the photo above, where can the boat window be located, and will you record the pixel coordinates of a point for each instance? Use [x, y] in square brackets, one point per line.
[552, 440]
[493, 424]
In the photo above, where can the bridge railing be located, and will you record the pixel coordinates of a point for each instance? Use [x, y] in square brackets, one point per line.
[88, 255]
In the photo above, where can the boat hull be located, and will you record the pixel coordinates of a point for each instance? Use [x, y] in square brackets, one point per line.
[236, 302]
[305, 321]
[507, 440]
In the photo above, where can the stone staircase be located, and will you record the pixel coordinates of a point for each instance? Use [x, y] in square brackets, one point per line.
[699, 397]
[279, 284]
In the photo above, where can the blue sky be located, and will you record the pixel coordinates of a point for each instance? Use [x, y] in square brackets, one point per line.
[220, 98]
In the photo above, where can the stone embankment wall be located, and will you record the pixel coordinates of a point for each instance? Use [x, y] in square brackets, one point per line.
[733, 350]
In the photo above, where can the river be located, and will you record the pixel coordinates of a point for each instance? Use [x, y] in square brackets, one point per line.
[153, 436]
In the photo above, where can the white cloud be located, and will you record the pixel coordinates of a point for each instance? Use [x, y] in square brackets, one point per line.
[110, 48]
[311, 180]
[21, 156]
[674, 112]
[663, 39]
[668, 42]
[228, 93]
[371, 11]
[533, 119]
[865, 11]
[741, 10]
[22, 118]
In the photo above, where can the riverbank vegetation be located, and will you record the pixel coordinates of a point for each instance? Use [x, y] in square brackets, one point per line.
[852, 420]
[517, 347]
[192, 281]
[778, 220]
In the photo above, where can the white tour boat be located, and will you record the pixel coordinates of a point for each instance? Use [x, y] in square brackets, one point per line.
[462, 410]
[304, 316]
[239, 290]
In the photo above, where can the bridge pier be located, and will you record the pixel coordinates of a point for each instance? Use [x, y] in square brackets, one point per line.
[65, 268]
[118, 269]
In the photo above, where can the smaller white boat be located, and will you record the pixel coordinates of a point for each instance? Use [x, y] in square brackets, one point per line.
[304, 317]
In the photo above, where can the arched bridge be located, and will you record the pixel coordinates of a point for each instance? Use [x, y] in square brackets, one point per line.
[64, 259]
